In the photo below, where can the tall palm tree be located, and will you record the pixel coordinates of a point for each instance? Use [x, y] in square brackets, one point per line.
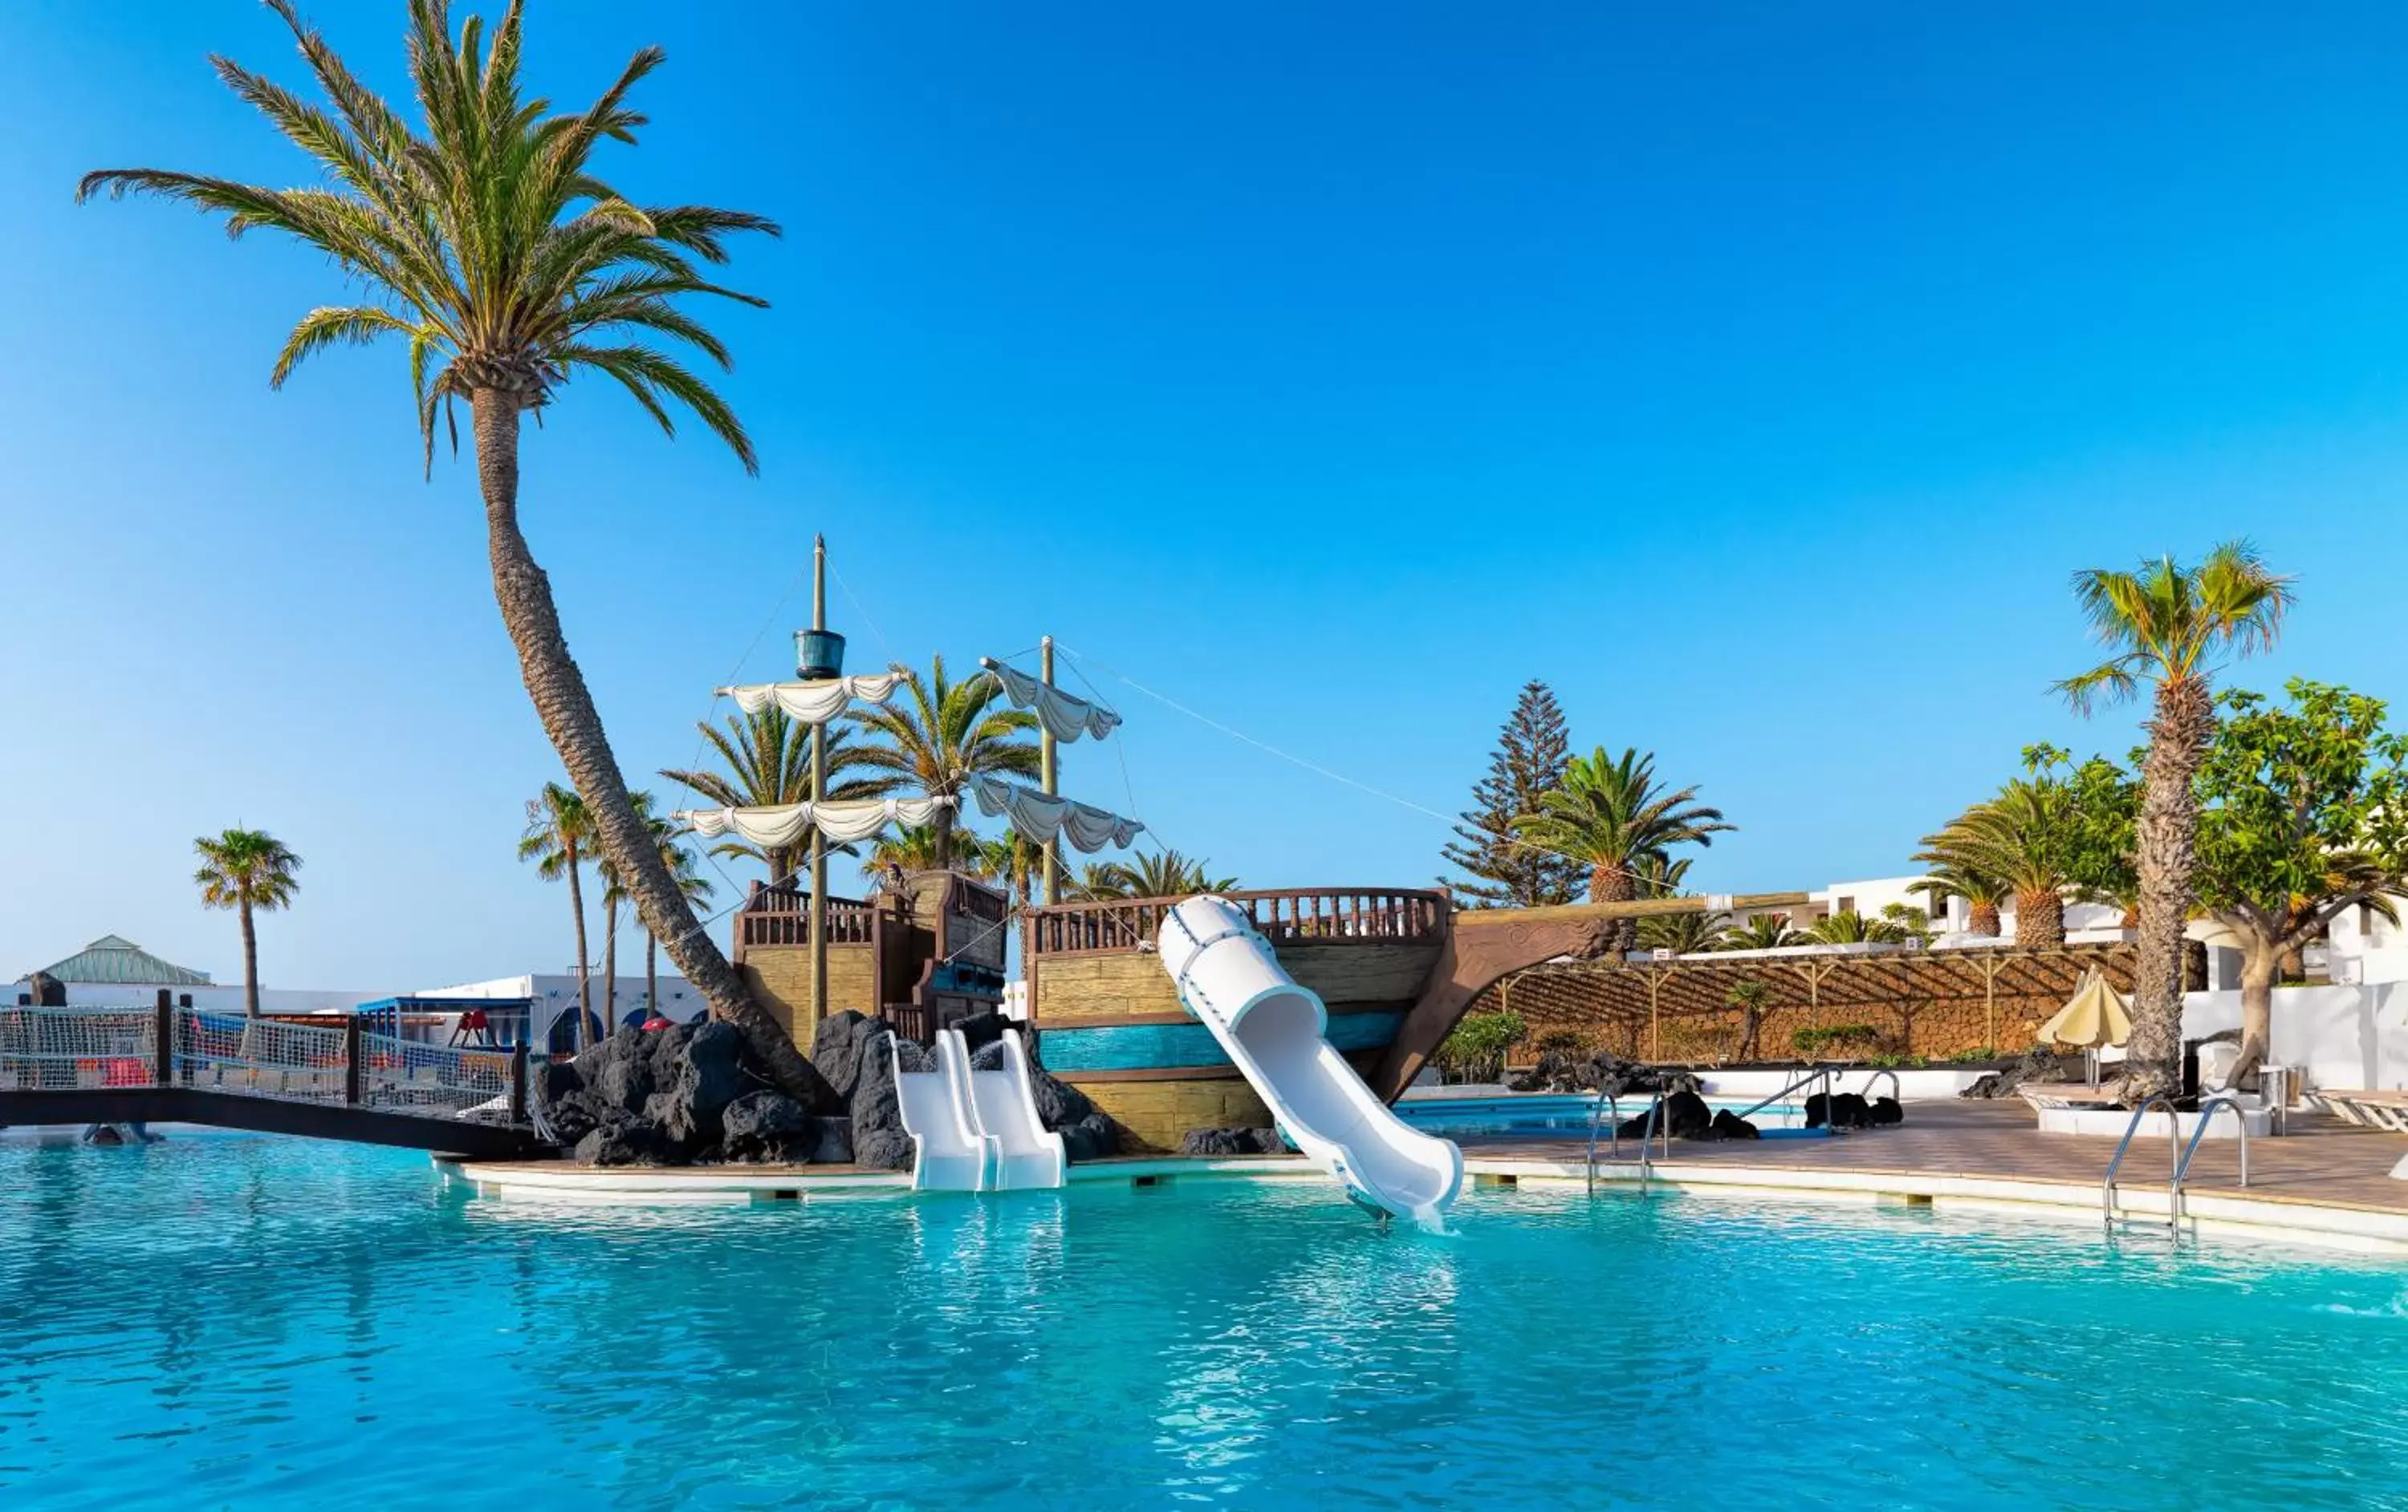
[559, 839]
[766, 761]
[249, 871]
[1984, 894]
[486, 240]
[2166, 627]
[1169, 875]
[945, 733]
[614, 898]
[1614, 817]
[911, 847]
[2022, 841]
[1009, 861]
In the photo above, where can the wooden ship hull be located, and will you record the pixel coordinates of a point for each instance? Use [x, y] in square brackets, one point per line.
[1396, 968]
[924, 957]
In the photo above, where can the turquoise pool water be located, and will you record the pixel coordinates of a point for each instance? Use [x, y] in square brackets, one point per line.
[1546, 1116]
[262, 1324]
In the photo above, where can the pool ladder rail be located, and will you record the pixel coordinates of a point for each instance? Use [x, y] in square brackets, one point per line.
[2178, 1154]
[1605, 1101]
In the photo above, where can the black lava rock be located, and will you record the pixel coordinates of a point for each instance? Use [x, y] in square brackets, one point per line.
[835, 1048]
[767, 1126]
[832, 1141]
[627, 1142]
[881, 1149]
[1884, 1111]
[980, 1030]
[1231, 1141]
[1090, 1137]
[1729, 1125]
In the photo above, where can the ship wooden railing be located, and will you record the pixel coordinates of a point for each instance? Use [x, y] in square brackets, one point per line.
[781, 915]
[1337, 916]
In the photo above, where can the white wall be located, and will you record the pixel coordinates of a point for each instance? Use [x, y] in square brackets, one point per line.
[2342, 1036]
[218, 997]
[556, 995]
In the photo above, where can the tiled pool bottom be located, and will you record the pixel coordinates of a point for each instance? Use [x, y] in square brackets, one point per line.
[269, 1324]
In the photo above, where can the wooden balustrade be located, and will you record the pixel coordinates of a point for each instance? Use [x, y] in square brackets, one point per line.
[1337, 916]
[781, 915]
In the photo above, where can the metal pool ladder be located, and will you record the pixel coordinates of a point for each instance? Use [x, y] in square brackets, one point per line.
[2178, 1155]
[1606, 1100]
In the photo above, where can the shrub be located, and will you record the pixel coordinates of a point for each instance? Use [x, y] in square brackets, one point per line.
[1836, 1037]
[1987, 1052]
[1476, 1050]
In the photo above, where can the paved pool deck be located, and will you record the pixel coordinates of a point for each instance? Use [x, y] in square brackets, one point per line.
[2325, 1182]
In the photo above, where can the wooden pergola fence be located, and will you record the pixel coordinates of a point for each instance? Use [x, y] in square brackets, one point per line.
[1912, 1002]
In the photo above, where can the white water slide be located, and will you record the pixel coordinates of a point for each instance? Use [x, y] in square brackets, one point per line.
[974, 1131]
[1228, 977]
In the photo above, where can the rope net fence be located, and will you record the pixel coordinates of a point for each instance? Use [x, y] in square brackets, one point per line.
[227, 1052]
[438, 1080]
[57, 1049]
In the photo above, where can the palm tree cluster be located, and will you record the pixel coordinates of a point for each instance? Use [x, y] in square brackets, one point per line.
[1167, 875]
[1614, 817]
[559, 840]
[2020, 843]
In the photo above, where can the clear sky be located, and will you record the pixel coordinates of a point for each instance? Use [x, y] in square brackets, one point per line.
[1754, 376]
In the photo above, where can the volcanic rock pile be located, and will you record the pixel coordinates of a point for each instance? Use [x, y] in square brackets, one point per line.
[695, 1094]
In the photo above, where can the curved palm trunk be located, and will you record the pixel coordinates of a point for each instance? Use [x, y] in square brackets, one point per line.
[567, 709]
[2167, 853]
[250, 961]
[2040, 919]
[584, 986]
[609, 968]
[1983, 918]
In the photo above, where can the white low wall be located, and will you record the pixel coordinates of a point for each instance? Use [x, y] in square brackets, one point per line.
[2342, 1036]
[1913, 1086]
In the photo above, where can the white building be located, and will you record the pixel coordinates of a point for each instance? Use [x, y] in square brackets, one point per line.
[113, 972]
[549, 1003]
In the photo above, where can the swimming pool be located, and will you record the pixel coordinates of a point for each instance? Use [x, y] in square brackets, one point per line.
[264, 1324]
[1556, 1116]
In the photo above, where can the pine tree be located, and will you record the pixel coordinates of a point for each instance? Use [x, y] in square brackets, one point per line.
[1531, 753]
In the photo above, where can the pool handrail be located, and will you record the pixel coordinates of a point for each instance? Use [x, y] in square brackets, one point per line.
[2173, 1149]
[1821, 1074]
[1895, 1092]
[2199, 1132]
[1604, 1099]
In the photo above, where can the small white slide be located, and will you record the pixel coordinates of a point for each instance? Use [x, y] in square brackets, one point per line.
[1228, 977]
[949, 1154]
[1027, 1155]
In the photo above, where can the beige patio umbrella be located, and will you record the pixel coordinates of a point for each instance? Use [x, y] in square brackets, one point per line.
[2095, 1019]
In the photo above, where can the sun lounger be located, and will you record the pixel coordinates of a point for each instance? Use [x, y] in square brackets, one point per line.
[2372, 1109]
[2069, 1094]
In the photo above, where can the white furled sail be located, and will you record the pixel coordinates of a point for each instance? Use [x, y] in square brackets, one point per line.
[782, 824]
[1040, 818]
[820, 700]
[1065, 718]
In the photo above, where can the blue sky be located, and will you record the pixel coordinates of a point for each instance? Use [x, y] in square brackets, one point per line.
[1756, 378]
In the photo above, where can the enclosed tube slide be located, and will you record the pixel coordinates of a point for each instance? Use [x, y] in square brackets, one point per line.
[1228, 977]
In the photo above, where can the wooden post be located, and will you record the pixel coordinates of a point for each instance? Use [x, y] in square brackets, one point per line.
[519, 1082]
[1048, 774]
[1655, 1029]
[1990, 1002]
[354, 1043]
[819, 842]
[163, 1053]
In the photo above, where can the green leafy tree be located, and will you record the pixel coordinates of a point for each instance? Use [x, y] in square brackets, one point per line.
[2303, 813]
[765, 763]
[943, 733]
[2166, 627]
[485, 239]
[1500, 867]
[559, 839]
[250, 872]
[1475, 1051]
[1613, 817]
